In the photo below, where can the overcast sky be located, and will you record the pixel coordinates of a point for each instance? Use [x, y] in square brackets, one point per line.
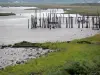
[63, 1]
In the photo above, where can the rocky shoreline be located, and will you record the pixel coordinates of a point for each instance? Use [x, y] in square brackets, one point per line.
[11, 56]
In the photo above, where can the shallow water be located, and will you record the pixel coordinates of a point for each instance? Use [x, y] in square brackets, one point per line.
[15, 28]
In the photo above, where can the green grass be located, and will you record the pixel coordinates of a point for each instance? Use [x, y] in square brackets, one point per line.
[7, 14]
[93, 39]
[73, 58]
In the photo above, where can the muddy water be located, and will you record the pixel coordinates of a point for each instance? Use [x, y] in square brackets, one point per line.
[15, 28]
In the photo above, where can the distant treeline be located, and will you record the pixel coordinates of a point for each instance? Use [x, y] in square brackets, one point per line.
[86, 4]
[7, 14]
[48, 5]
[20, 4]
[42, 4]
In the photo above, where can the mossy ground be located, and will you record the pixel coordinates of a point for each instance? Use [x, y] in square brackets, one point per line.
[71, 59]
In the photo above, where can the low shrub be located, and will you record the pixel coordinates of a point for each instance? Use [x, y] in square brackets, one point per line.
[84, 42]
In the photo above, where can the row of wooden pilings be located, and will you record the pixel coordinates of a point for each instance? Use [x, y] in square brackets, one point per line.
[56, 22]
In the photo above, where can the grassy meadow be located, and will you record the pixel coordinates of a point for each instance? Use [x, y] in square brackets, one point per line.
[77, 57]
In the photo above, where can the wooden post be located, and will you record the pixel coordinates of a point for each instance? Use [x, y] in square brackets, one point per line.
[32, 22]
[99, 22]
[43, 21]
[50, 15]
[71, 22]
[93, 22]
[81, 21]
[96, 22]
[28, 23]
[60, 18]
[48, 21]
[35, 23]
[63, 17]
[87, 22]
[78, 21]
[56, 21]
[66, 23]
[35, 20]
[46, 14]
[53, 20]
[40, 18]
[59, 25]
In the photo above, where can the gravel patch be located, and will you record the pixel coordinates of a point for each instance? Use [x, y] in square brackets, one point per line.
[12, 56]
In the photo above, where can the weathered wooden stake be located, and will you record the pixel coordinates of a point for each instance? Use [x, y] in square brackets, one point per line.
[78, 21]
[96, 22]
[87, 22]
[82, 21]
[48, 21]
[56, 21]
[59, 25]
[63, 17]
[28, 23]
[32, 22]
[40, 19]
[71, 22]
[35, 23]
[43, 21]
[66, 23]
[93, 22]
[99, 22]
[60, 18]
